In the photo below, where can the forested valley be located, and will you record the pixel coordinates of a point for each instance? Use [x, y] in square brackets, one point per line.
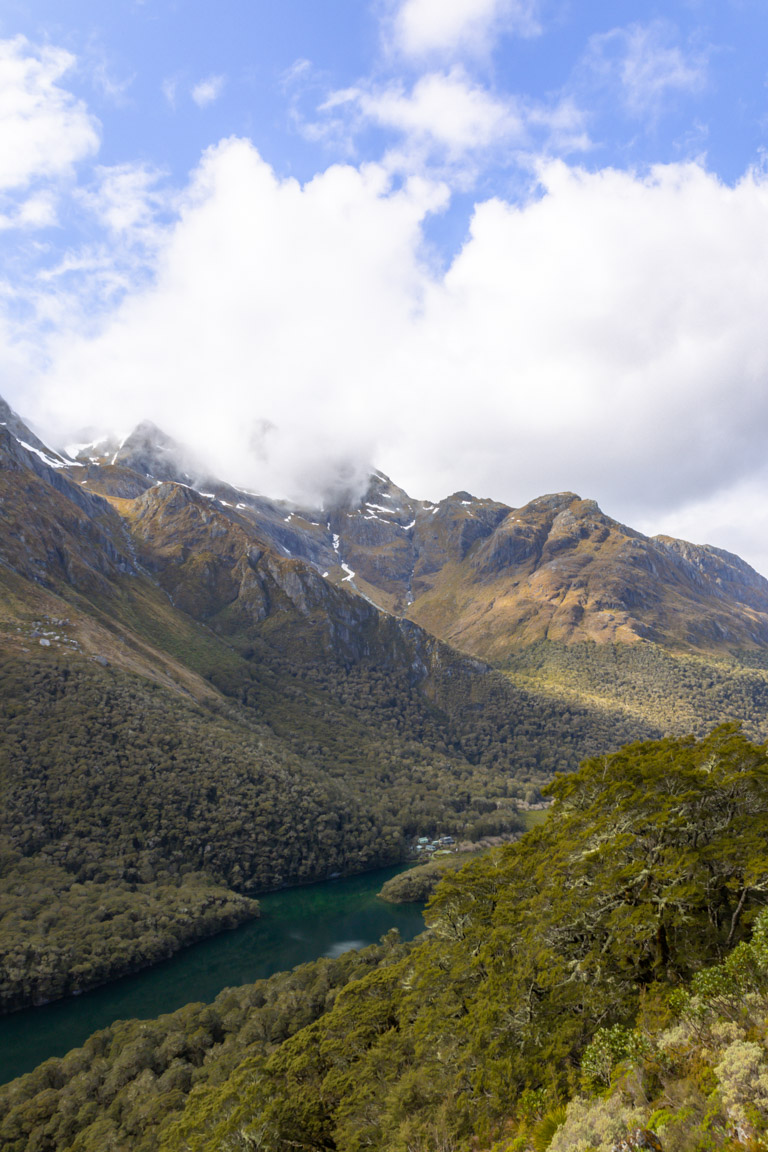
[604, 979]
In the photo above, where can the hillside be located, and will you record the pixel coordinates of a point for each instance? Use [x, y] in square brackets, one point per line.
[604, 979]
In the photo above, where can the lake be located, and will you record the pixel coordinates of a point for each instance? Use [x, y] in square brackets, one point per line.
[296, 925]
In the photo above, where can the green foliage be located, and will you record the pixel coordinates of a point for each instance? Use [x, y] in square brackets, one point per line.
[670, 691]
[130, 1080]
[59, 936]
[111, 785]
[636, 878]
[545, 961]
[545, 1129]
[417, 884]
[607, 1047]
[700, 1084]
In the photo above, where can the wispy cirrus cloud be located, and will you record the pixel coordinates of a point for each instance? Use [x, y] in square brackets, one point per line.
[125, 198]
[645, 66]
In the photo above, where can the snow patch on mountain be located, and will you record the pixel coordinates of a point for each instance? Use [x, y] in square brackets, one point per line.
[52, 462]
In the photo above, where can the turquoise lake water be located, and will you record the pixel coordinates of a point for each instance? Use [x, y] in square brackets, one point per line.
[296, 925]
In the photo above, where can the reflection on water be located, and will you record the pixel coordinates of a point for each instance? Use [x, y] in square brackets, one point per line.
[296, 925]
[344, 946]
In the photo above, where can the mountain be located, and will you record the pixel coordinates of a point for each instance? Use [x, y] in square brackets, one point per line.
[492, 579]
[485, 577]
[558, 569]
[567, 602]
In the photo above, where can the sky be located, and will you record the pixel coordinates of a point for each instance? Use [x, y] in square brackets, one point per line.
[505, 246]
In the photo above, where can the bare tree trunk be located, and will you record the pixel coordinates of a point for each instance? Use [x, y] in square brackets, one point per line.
[736, 915]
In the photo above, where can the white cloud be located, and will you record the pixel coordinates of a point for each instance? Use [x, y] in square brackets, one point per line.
[458, 27]
[449, 124]
[32, 212]
[207, 91]
[169, 88]
[646, 65]
[125, 199]
[735, 519]
[44, 130]
[561, 126]
[269, 299]
[111, 86]
[607, 336]
[447, 109]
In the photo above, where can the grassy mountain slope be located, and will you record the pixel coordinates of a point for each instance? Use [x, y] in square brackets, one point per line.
[559, 569]
[679, 691]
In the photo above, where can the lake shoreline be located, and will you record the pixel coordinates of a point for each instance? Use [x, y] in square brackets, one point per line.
[296, 925]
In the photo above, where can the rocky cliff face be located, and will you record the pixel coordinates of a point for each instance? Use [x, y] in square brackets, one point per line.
[239, 565]
[561, 570]
[52, 529]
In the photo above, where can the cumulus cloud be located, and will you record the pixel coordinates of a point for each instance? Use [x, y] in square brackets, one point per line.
[448, 123]
[444, 109]
[451, 27]
[607, 336]
[44, 130]
[269, 302]
[207, 91]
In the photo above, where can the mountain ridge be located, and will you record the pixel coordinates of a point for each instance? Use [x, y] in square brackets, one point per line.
[486, 577]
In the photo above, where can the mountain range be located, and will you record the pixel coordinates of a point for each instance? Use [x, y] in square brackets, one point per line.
[206, 693]
[485, 577]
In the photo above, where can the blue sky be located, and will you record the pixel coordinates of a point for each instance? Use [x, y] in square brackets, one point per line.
[513, 246]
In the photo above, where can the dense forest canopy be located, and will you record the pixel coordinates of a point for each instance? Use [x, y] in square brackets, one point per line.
[546, 966]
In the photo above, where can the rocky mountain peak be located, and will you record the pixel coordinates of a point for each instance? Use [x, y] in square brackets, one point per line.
[153, 453]
[386, 502]
[21, 432]
[127, 466]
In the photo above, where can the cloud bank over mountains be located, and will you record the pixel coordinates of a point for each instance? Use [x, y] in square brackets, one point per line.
[598, 329]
